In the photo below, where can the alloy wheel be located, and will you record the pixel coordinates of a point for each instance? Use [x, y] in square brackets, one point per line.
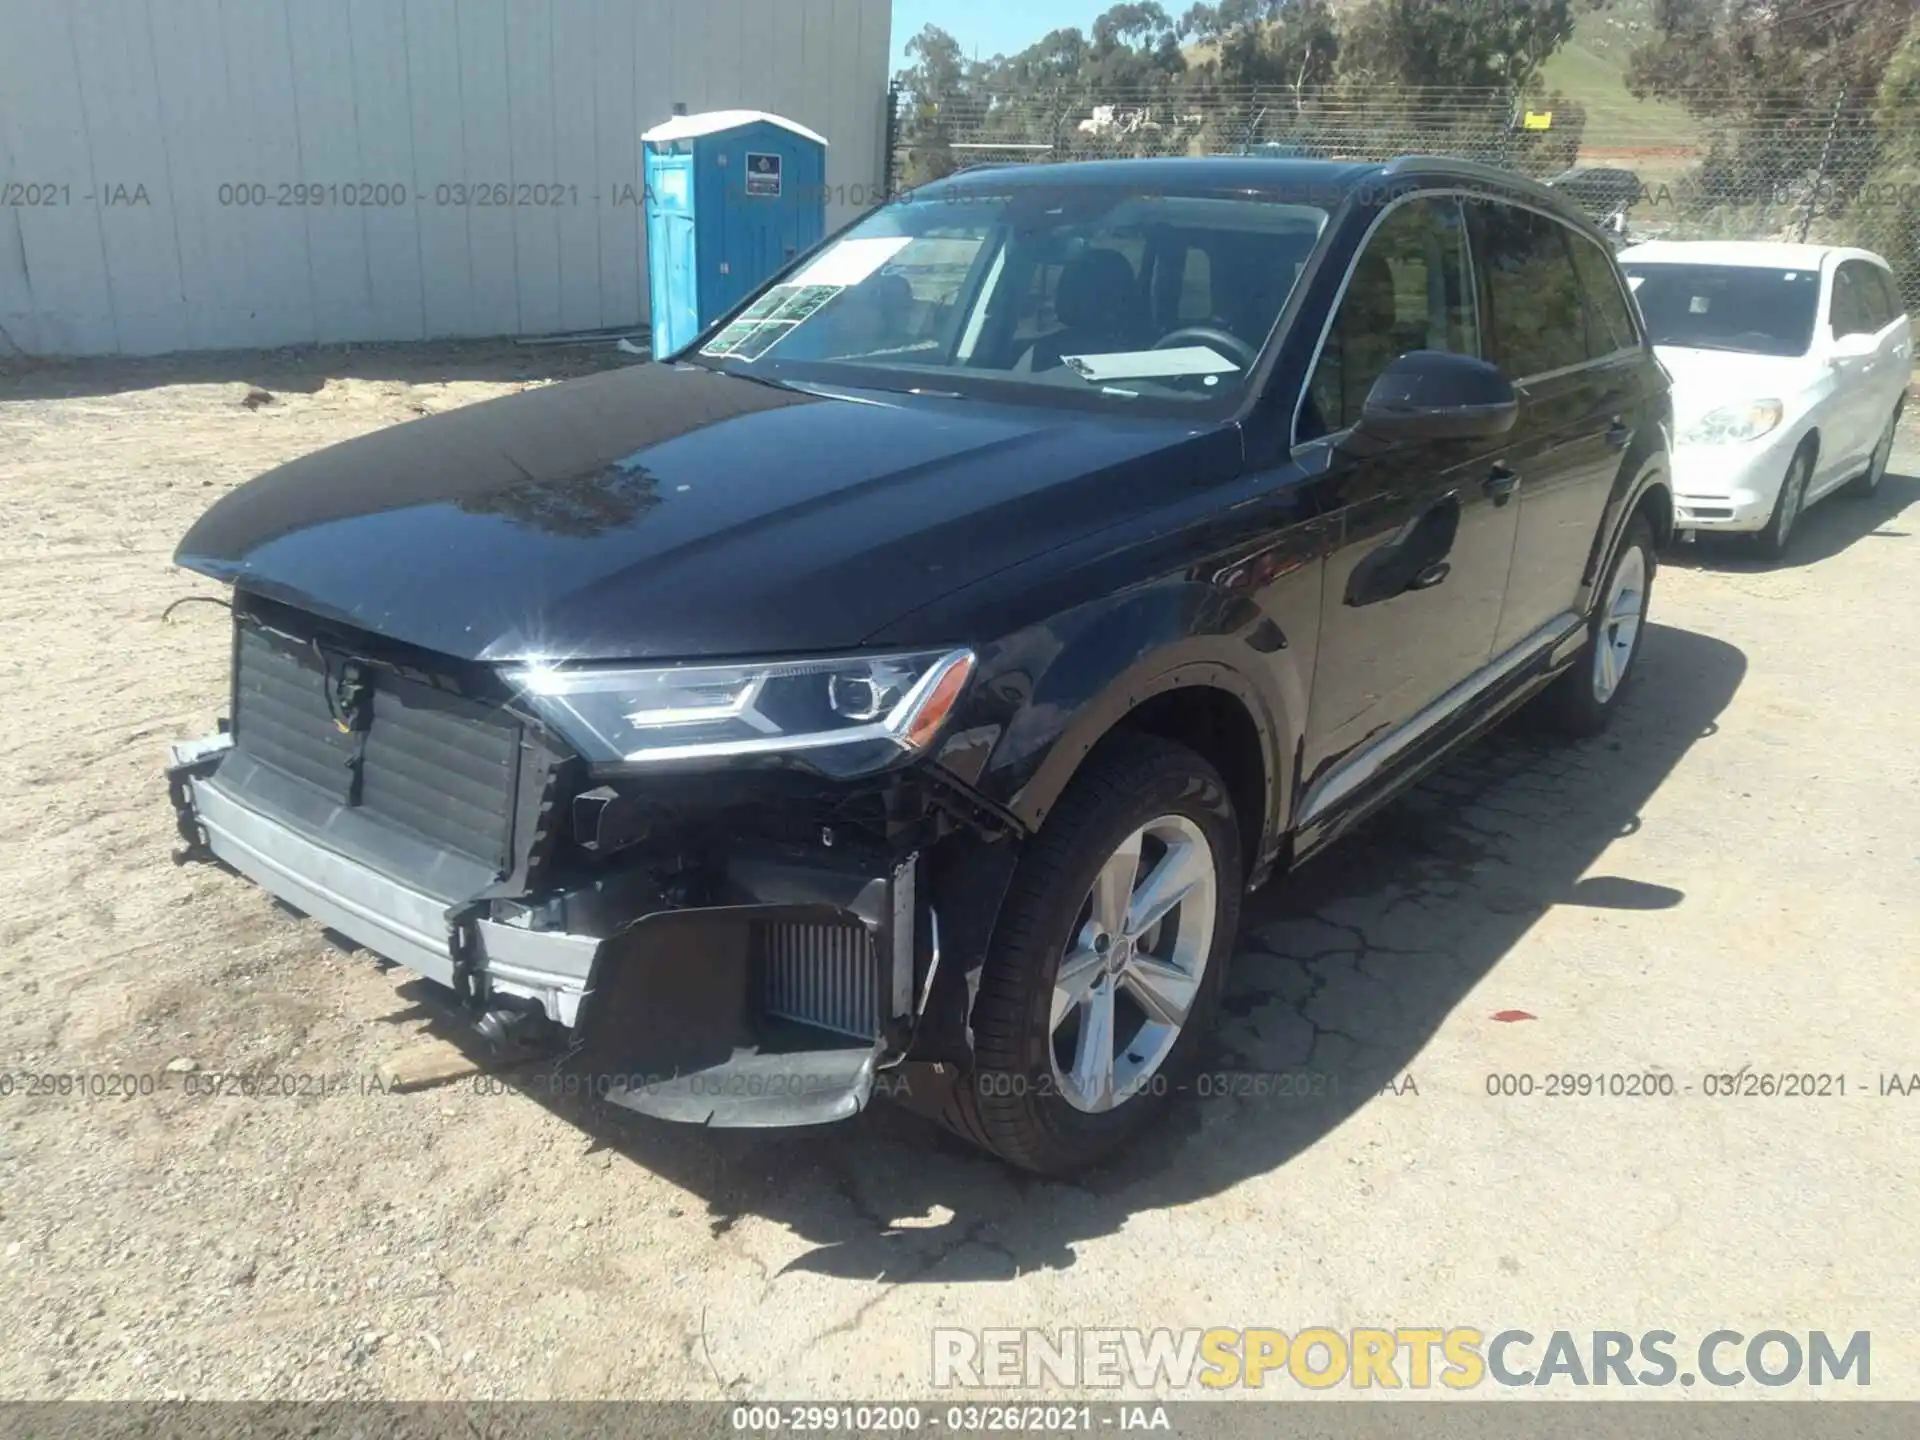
[1127, 981]
[1882, 454]
[1793, 497]
[1626, 606]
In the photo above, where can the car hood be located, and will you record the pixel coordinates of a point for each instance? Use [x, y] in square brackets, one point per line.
[1704, 380]
[664, 511]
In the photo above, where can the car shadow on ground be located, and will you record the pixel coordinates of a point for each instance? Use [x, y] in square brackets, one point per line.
[305, 370]
[1343, 973]
[1834, 524]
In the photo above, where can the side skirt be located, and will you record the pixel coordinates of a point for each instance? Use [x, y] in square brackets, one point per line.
[1436, 740]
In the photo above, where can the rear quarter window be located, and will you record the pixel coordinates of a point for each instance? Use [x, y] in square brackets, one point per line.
[1610, 326]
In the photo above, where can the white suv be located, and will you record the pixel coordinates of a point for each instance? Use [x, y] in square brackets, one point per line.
[1790, 365]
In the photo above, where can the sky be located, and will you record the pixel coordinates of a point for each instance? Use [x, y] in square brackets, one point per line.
[991, 26]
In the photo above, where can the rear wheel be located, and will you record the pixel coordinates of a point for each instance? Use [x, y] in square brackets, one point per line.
[1772, 542]
[1107, 962]
[1868, 481]
[1583, 699]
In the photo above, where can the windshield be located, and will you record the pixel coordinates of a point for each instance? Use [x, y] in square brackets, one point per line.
[1126, 298]
[1728, 307]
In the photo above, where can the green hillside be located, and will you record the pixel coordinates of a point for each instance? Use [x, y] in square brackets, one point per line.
[1655, 138]
[1591, 68]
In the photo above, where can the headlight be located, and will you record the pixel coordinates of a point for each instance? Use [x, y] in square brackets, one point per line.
[852, 714]
[1731, 423]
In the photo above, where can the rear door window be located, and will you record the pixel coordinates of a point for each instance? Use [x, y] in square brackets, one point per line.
[1539, 323]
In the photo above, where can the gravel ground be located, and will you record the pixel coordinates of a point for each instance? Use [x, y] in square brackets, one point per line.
[1727, 879]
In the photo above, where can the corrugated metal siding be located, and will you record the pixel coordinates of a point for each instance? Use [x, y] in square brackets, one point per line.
[123, 120]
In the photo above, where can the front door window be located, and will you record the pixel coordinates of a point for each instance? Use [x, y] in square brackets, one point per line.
[1409, 291]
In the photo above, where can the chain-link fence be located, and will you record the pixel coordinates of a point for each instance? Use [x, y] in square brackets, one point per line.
[1834, 172]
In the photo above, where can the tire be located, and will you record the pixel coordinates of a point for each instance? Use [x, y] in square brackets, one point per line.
[1863, 485]
[1021, 1103]
[1771, 543]
[1581, 702]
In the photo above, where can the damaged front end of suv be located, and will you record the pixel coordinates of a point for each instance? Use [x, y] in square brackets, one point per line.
[496, 715]
[720, 881]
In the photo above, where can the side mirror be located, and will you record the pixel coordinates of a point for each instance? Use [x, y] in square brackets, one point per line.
[1427, 395]
[1856, 346]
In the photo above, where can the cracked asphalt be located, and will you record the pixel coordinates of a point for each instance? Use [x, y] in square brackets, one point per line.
[1726, 880]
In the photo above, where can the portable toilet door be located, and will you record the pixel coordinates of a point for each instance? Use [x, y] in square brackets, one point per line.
[672, 277]
[732, 196]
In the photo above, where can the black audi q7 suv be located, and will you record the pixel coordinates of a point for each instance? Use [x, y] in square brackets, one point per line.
[898, 689]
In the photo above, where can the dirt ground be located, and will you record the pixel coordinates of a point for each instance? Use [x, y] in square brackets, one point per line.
[1727, 879]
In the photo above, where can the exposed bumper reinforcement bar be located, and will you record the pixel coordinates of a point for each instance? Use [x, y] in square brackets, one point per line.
[390, 919]
[660, 1012]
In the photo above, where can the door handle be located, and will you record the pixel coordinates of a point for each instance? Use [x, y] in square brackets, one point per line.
[1618, 434]
[1431, 576]
[1500, 484]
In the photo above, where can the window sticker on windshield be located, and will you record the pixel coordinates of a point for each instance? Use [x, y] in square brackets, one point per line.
[852, 261]
[1698, 305]
[789, 305]
[1152, 364]
[768, 320]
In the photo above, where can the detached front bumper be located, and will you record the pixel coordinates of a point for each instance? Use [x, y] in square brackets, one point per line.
[1731, 487]
[778, 1005]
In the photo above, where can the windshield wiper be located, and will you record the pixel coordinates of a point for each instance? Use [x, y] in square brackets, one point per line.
[733, 372]
[892, 389]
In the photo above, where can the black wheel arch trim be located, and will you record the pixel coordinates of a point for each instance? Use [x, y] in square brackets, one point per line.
[1199, 665]
[1652, 478]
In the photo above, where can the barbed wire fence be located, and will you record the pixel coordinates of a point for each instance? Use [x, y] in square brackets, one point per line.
[1832, 170]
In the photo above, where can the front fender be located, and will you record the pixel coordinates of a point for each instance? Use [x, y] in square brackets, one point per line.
[1049, 694]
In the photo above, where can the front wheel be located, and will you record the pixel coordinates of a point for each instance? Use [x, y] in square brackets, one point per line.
[1864, 484]
[1107, 962]
[1583, 699]
[1772, 542]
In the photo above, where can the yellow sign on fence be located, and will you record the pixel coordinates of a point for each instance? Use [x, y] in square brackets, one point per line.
[1539, 120]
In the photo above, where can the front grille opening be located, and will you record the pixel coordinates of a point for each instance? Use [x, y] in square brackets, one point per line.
[823, 973]
[432, 763]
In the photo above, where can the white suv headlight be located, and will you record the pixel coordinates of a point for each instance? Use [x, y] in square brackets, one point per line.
[869, 708]
[1732, 423]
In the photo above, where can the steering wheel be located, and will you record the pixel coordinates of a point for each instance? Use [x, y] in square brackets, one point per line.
[1225, 340]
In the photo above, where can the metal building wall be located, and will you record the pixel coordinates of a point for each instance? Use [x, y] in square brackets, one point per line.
[206, 174]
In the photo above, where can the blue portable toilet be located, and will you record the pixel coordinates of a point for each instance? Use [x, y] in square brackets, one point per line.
[732, 195]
